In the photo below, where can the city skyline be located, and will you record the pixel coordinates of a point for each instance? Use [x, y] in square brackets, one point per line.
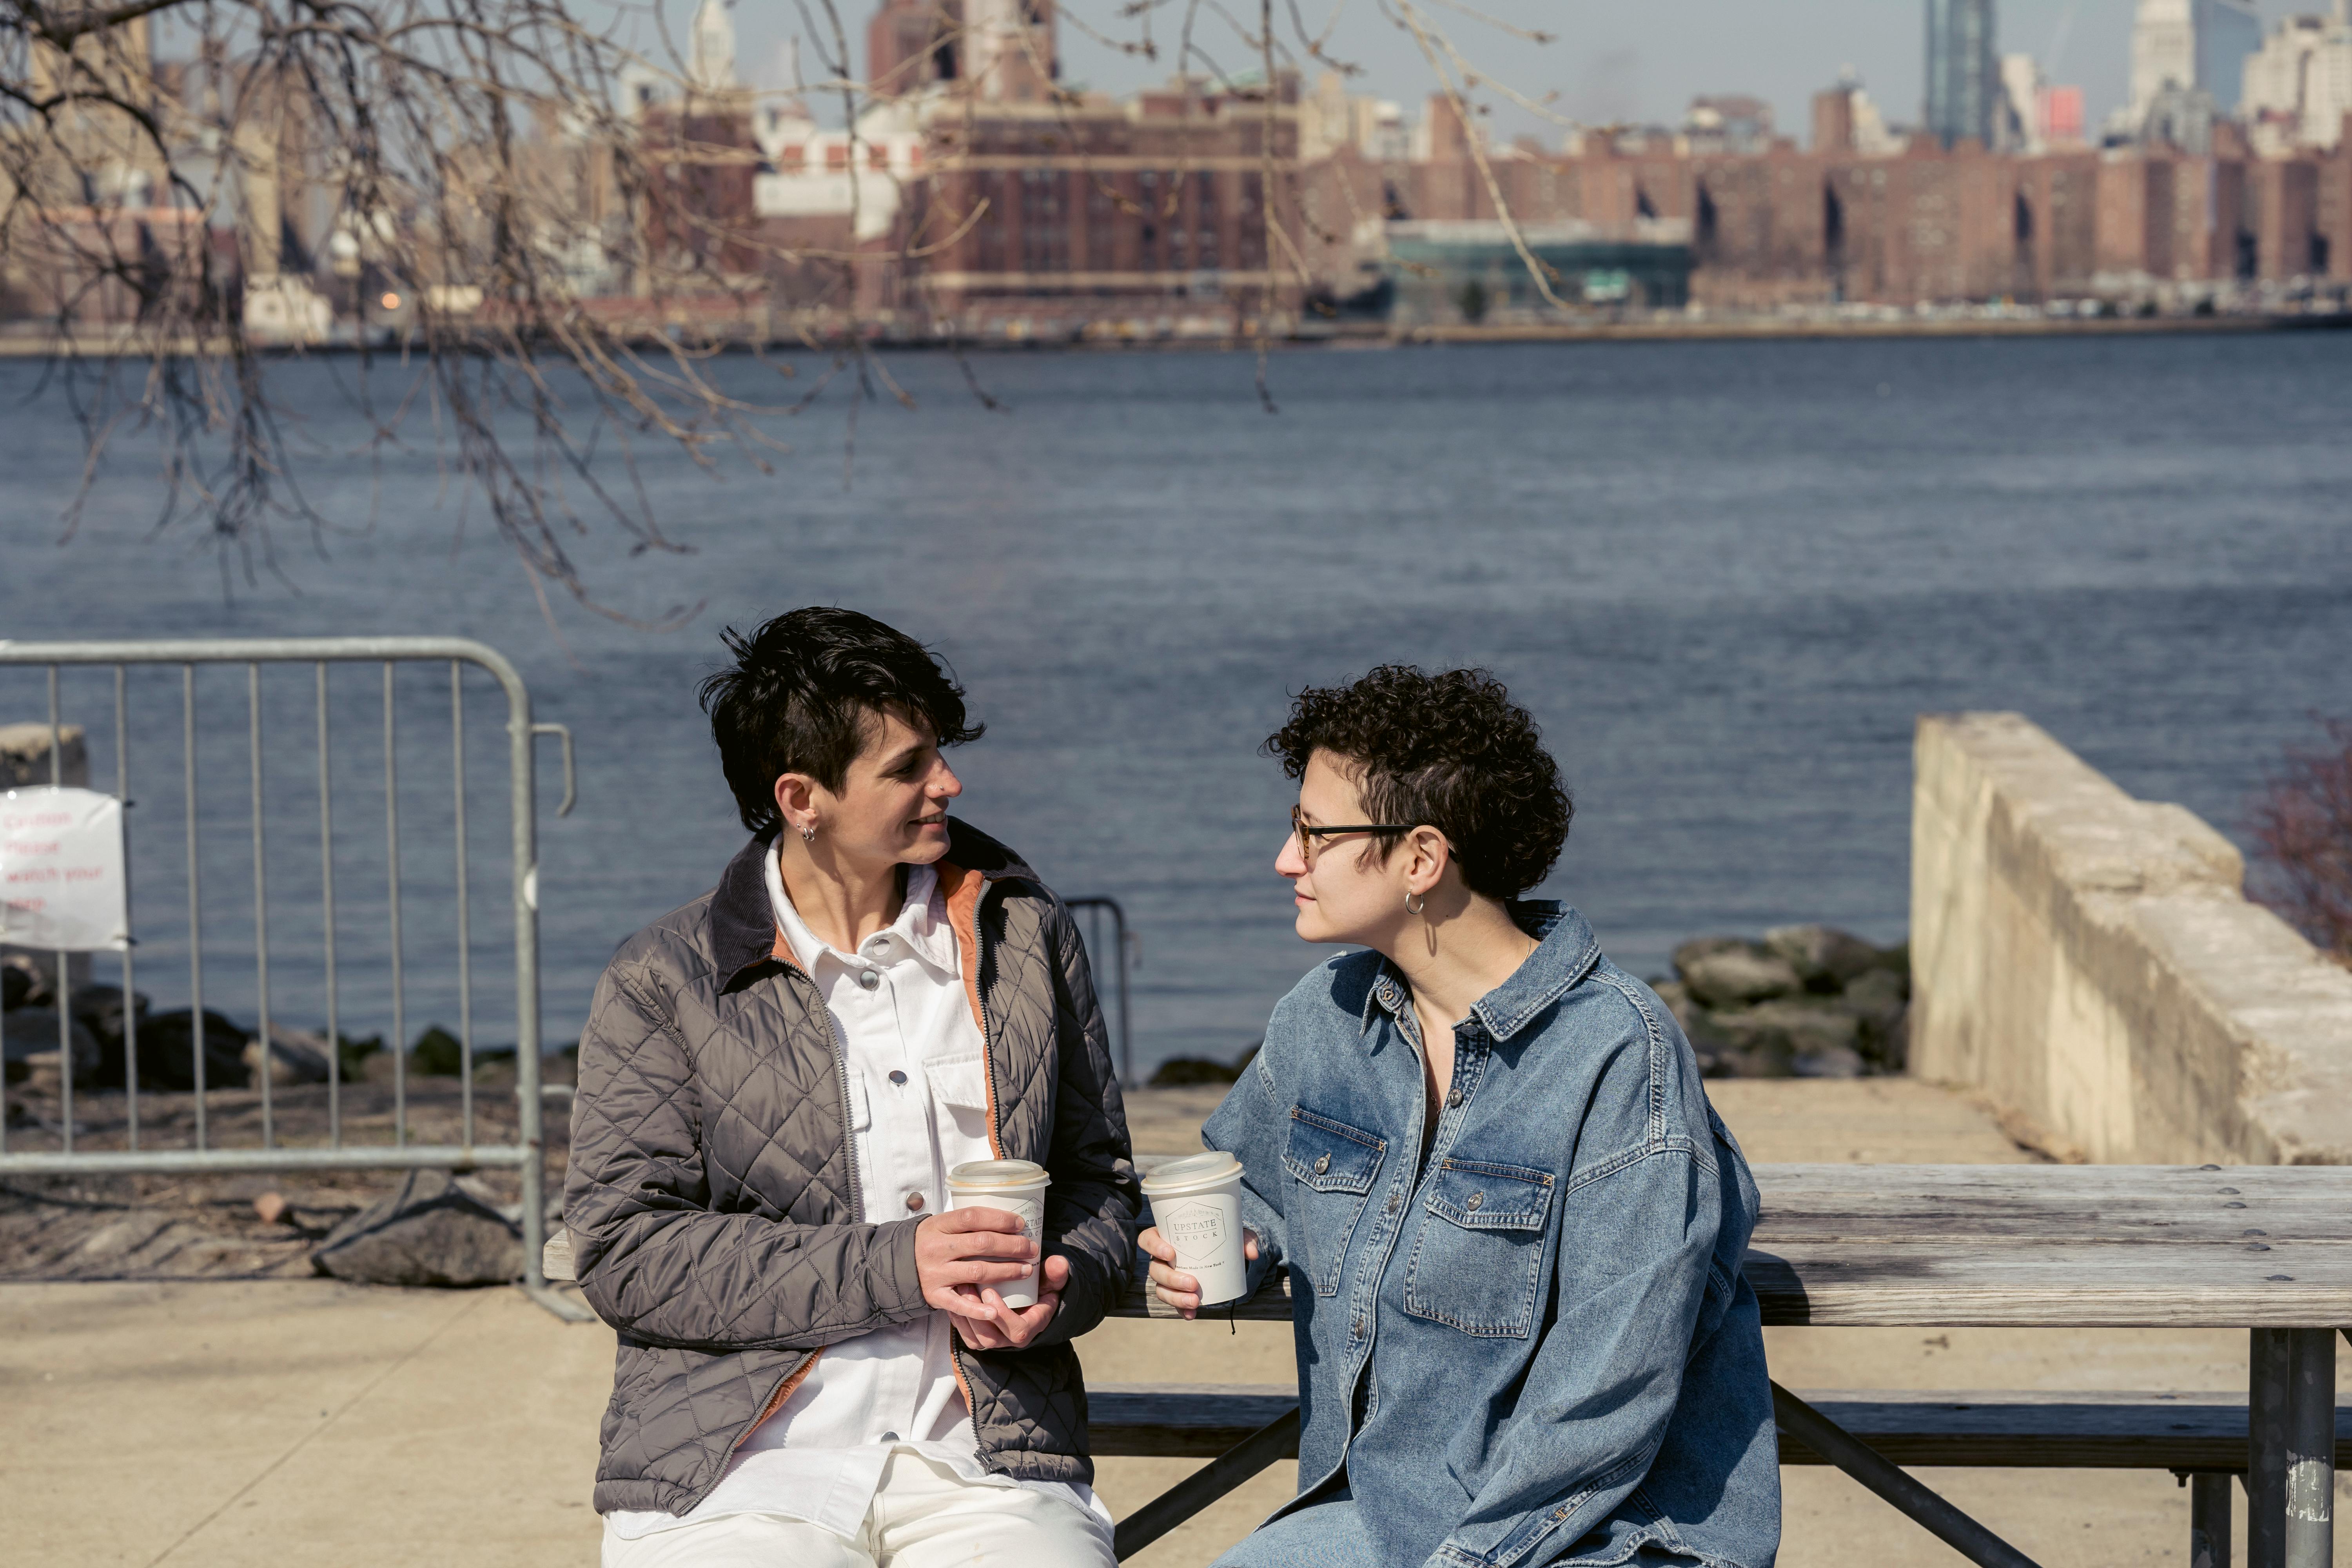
[1607, 63]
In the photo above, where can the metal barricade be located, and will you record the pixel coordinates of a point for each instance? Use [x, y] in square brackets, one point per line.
[137, 1153]
[1130, 948]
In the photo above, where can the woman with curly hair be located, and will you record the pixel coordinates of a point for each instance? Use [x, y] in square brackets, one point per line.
[1513, 1223]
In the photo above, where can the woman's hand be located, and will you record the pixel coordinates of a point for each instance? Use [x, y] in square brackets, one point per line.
[1173, 1286]
[1010, 1328]
[961, 1254]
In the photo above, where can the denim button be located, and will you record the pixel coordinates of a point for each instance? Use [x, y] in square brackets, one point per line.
[1477, 1200]
[1322, 1164]
[1396, 1202]
[1454, 1099]
[1359, 1328]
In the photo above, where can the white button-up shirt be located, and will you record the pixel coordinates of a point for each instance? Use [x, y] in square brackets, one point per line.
[918, 1102]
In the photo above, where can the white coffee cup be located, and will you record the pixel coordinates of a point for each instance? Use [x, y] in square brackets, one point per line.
[1017, 1188]
[1196, 1202]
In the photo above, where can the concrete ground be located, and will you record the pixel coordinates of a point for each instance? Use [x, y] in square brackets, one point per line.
[274, 1422]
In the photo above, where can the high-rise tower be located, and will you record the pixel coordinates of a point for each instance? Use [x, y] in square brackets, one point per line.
[1963, 70]
[710, 50]
[1000, 50]
[2195, 45]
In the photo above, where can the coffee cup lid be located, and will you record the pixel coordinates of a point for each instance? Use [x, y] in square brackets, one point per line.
[1193, 1170]
[998, 1173]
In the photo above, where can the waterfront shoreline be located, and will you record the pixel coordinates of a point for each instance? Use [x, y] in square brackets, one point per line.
[1708, 329]
[1768, 329]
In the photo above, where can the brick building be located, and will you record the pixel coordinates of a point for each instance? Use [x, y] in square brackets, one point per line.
[1056, 212]
[911, 44]
[697, 214]
[1067, 213]
[1785, 226]
[996, 202]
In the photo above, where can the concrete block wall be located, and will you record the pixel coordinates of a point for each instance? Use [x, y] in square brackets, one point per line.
[2090, 962]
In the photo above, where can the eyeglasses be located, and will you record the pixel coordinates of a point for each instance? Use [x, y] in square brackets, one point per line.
[1308, 836]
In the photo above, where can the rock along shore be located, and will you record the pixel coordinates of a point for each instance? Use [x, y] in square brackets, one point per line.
[1806, 1001]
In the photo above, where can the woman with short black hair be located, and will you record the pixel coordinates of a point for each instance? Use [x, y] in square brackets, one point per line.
[1513, 1223]
[821, 1363]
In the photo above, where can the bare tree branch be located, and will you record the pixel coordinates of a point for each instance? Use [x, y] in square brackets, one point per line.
[542, 236]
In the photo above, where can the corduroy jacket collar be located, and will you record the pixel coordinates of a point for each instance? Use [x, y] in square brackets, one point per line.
[743, 925]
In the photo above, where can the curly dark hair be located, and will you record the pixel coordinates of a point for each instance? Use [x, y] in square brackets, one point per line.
[1450, 750]
[803, 694]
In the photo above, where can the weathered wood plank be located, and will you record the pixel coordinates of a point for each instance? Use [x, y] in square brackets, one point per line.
[2039, 1183]
[2036, 1429]
[1796, 1292]
[1270, 1305]
[2121, 1205]
[2035, 1186]
[2010, 1429]
[2089, 1286]
[2082, 1245]
[1190, 1420]
[2001, 1285]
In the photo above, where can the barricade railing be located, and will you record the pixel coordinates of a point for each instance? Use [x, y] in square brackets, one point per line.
[272, 823]
[1129, 948]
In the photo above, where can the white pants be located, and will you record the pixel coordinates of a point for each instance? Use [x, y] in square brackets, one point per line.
[924, 1516]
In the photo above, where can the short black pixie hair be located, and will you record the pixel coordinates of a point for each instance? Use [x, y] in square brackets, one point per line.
[804, 694]
[1451, 751]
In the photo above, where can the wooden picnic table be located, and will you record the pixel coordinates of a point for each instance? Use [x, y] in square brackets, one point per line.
[2265, 1249]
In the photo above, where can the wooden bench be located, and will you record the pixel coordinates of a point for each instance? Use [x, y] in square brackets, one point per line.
[2013, 1429]
[2265, 1249]
[2200, 1438]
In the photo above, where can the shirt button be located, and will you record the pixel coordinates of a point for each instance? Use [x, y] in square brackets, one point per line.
[889, 1437]
[914, 1200]
[867, 979]
[898, 1078]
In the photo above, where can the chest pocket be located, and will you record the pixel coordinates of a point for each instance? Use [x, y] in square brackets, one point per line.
[1332, 1166]
[960, 1085]
[1478, 1261]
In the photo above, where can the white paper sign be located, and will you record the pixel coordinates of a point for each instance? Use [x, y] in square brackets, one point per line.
[61, 880]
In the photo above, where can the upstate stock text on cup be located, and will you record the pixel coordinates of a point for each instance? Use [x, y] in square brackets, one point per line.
[1017, 1188]
[1196, 1201]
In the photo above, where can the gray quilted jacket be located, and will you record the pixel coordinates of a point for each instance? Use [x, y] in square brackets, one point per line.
[712, 1199]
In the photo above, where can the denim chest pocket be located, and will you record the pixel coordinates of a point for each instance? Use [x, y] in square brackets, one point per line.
[1476, 1263]
[1334, 1166]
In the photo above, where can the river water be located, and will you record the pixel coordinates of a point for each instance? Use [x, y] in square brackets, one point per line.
[1725, 576]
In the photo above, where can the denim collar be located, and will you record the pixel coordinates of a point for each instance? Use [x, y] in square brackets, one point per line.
[1567, 954]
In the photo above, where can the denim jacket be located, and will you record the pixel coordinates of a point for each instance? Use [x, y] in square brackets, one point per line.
[1533, 1344]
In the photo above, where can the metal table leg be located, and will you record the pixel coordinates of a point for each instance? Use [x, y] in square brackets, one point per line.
[2267, 1384]
[2309, 1535]
[2209, 1519]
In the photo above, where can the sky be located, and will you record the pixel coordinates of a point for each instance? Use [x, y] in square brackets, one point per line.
[1639, 60]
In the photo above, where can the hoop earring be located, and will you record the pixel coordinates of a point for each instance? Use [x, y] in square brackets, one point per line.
[808, 834]
[1412, 909]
